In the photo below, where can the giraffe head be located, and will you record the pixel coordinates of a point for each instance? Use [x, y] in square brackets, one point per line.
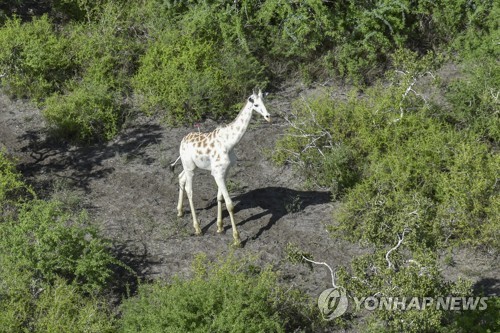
[257, 101]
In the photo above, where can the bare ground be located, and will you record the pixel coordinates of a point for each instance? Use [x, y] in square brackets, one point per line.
[131, 195]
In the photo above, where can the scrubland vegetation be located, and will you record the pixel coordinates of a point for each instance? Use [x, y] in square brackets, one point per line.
[410, 153]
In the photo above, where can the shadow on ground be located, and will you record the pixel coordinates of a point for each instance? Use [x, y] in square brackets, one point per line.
[81, 164]
[274, 201]
[487, 286]
[132, 268]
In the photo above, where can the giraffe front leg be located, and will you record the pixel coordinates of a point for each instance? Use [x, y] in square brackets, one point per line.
[220, 227]
[236, 234]
[230, 208]
[189, 192]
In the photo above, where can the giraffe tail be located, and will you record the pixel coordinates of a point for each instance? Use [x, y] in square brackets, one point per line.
[172, 165]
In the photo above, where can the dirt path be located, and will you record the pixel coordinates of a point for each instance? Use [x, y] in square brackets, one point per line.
[129, 192]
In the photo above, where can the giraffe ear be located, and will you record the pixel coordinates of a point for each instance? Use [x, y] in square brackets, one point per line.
[250, 99]
[260, 93]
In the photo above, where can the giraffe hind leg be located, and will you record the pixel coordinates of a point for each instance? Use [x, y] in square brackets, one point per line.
[189, 192]
[182, 184]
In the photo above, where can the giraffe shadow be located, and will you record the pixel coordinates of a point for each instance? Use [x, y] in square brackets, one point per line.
[274, 201]
[82, 164]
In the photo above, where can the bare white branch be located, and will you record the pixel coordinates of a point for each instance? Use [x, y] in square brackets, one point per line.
[405, 94]
[314, 136]
[410, 89]
[400, 241]
[333, 274]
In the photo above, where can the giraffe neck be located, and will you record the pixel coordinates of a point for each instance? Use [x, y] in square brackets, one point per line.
[233, 132]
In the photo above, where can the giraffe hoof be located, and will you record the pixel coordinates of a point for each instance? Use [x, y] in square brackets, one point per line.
[237, 241]
[180, 214]
[198, 232]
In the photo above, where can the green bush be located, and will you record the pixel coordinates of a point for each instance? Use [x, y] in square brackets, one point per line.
[182, 78]
[227, 296]
[11, 184]
[420, 184]
[16, 299]
[399, 166]
[415, 275]
[370, 32]
[61, 307]
[294, 30]
[448, 20]
[316, 146]
[33, 58]
[474, 98]
[89, 105]
[88, 112]
[79, 72]
[28, 304]
[200, 59]
[190, 71]
[50, 243]
[103, 51]
[481, 321]
[53, 265]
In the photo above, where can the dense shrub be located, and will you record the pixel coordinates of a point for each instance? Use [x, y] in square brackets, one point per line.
[226, 296]
[34, 58]
[15, 294]
[61, 307]
[483, 321]
[91, 104]
[421, 185]
[103, 50]
[314, 119]
[293, 29]
[50, 243]
[201, 58]
[448, 20]
[87, 112]
[11, 184]
[52, 265]
[78, 73]
[192, 69]
[416, 275]
[399, 166]
[394, 289]
[474, 98]
[29, 304]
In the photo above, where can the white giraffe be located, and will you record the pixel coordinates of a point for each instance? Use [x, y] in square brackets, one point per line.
[214, 151]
